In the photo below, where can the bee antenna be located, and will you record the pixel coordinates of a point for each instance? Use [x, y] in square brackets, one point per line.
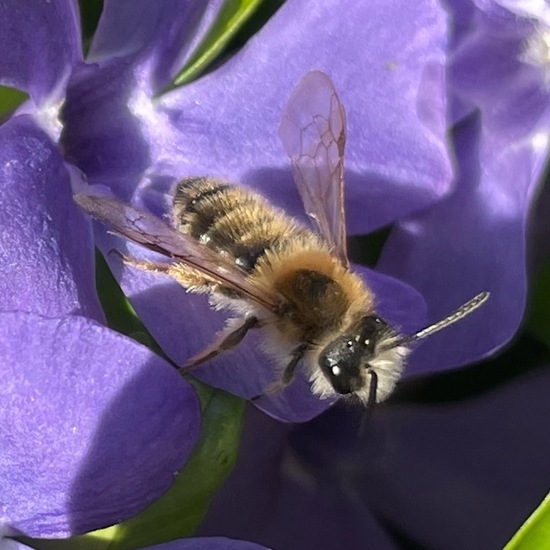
[457, 315]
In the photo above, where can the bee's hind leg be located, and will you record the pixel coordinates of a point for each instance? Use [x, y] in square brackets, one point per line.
[225, 342]
[288, 373]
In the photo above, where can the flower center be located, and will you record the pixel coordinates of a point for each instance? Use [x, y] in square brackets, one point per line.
[47, 116]
[536, 51]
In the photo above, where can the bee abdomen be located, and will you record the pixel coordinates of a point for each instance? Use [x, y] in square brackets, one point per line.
[229, 220]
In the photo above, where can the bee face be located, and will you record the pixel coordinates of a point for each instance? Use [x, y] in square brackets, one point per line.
[345, 360]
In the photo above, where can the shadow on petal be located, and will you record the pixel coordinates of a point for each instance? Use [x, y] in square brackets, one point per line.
[93, 425]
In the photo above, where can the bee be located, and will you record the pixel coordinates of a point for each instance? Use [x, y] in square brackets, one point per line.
[292, 283]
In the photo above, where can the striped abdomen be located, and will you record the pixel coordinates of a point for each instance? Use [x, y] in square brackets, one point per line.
[231, 220]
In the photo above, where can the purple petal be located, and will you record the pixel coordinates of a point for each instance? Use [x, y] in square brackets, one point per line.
[475, 239]
[226, 123]
[46, 245]
[461, 14]
[487, 69]
[507, 10]
[93, 426]
[207, 543]
[40, 42]
[278, 506]
[471, 242]
[183, 324]
[101, 136]
[164, 31]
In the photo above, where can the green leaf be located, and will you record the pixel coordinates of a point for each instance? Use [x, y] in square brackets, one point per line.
[179, 511]
[534, 534]
[75, 543]
[231, 17]
[538, 316]
[118, 311]
[10, 99]
[90, 12]
[366, 249]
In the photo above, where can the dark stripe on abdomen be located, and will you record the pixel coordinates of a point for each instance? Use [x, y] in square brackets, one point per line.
[203, 207]
[248, 257]
[193, 205]
[199, 204]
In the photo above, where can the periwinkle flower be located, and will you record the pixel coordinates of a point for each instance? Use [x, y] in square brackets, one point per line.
[93, 426]
[126, 134]
[133, 139]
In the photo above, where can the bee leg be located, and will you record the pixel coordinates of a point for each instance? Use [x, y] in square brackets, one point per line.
[288, 373]
[155, 267]
[367, 411]
[223, 343]
[290, 369]
[190, 279]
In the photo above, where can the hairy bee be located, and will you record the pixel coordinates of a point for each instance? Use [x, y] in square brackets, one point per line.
[275, 275]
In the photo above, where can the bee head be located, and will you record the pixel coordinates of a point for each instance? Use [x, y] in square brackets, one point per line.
[347, 361]
[371, 347]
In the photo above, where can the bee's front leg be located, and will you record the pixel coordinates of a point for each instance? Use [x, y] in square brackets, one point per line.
[224, 342]
[288, 374]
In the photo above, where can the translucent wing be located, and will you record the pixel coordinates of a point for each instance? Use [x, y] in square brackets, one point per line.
[151, 232]
[313, 132]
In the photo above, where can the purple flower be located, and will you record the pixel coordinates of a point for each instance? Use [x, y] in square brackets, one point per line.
[450, 242]
[125, 136]
[501, 65]
[93, 426]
